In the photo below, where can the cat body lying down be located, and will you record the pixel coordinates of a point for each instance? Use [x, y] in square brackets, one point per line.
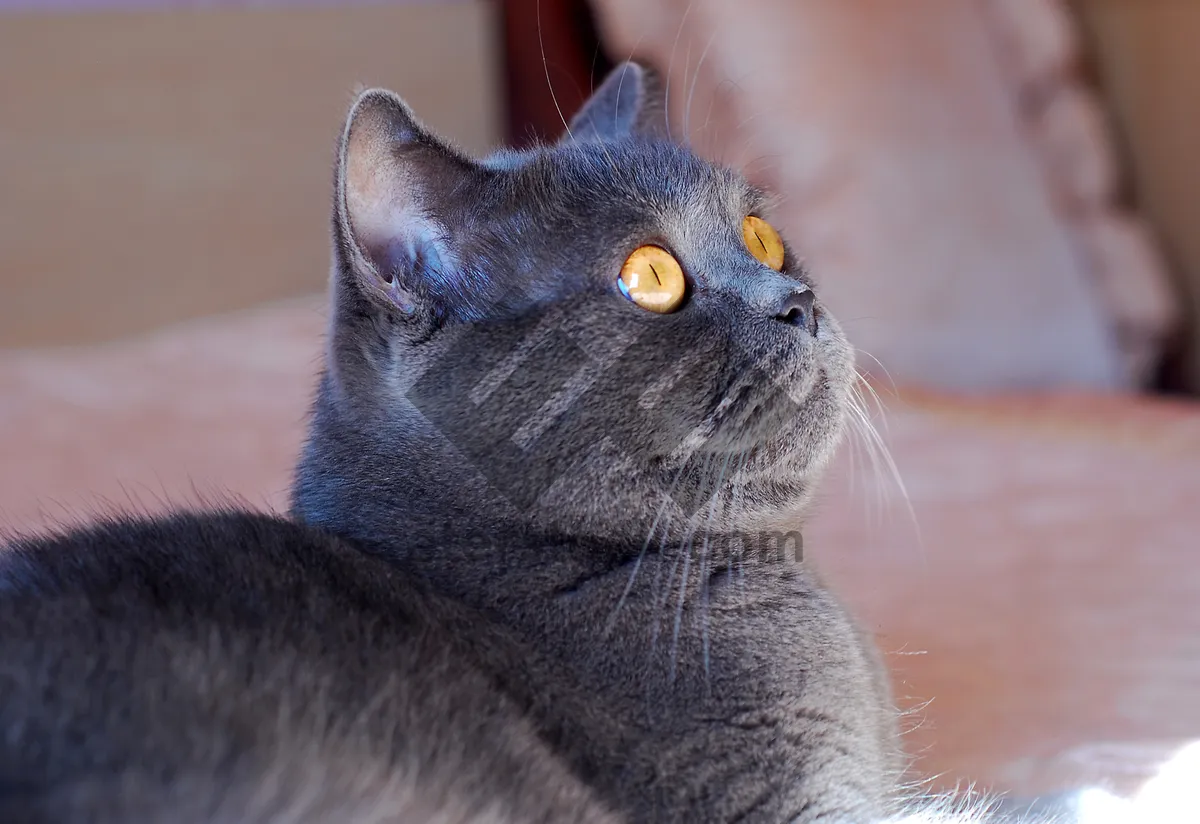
[564, 390]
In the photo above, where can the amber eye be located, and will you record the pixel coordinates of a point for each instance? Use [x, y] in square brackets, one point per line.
[763, 242]
[653, 279]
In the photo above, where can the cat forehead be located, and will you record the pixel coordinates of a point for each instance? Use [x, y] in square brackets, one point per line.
[654, 177]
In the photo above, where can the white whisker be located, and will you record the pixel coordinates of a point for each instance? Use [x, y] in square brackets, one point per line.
[877, 448]
[687, 106]
[887, 374]
[667, 501]
[859, 426]
[703, 576]
[671, 65]
[546, 67]
[685, 549]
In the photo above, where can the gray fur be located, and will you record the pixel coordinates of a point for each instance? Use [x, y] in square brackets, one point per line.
[516, 586]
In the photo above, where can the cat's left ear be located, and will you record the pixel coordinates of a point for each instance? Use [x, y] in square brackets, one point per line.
[629, 102]
[396, 185]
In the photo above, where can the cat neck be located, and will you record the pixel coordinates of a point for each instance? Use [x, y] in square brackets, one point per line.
[402, 490]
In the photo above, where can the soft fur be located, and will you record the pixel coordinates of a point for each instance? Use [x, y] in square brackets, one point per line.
[521, 580]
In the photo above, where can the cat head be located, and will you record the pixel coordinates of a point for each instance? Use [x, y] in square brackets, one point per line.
[600, 336]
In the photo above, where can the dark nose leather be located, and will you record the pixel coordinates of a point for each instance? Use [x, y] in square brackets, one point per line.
[797, 310]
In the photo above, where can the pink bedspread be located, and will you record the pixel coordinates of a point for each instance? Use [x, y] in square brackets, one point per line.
[1041, 612]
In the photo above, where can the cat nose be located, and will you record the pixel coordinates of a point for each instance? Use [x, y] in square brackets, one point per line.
[797, 309]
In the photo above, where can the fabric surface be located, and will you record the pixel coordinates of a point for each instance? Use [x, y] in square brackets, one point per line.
[1038, 608]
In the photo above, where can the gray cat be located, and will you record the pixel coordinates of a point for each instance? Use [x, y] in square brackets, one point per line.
[565, 391]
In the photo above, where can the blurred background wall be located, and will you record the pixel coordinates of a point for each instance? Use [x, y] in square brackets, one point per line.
[160, 161]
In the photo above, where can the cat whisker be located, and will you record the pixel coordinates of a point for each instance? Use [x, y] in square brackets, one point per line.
[864, 430]
[637, 565]
[856, 456]
[703, 578]
[878, 448]
[667, 500]
[621, 83]
[546, 67]
[612, 164]
[679, 606]
[687, 65]
[685, 550]
[687, 107]
[617, 101]
[708, 118]
[712, 101]
[671, 65]
[658, 587]
[683, 582]
[886, 453]
[886, 373]
[736, 501]
[776, 199]
[745, 121]
[863, 383]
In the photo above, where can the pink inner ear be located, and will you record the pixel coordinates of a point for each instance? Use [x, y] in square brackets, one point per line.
[390, 174]
[378, 191]
[384, 207]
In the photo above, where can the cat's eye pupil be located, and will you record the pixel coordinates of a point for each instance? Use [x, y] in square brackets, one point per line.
[762, 247]
[653, 279]
[763, 242]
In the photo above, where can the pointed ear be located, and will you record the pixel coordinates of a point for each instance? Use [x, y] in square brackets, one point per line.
[395, 184]
[629, 102]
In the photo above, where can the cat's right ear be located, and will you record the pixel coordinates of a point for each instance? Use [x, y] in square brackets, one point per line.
[629, 102]
[395, 183]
